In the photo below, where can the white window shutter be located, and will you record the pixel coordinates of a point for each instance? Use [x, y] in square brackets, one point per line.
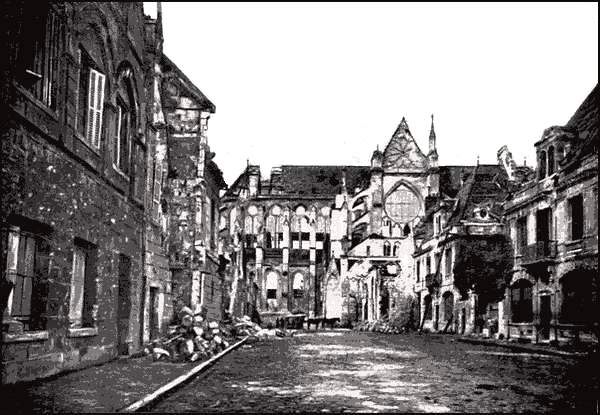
[95, 107]
[98, 110]
[91, 100]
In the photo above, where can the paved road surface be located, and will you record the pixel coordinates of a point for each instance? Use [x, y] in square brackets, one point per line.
[370, 372]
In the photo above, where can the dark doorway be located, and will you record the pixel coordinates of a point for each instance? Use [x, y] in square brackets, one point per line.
[545, 316]
[154, 319]
[384, 304]
[124, 304]
[463, 321]
[437, 317]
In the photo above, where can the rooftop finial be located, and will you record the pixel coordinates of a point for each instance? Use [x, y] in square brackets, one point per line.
[478, 159]
[525, 161]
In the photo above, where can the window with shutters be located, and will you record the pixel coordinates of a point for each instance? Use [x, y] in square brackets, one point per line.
[82, 298]
[26, 265]
[39, 54]
[90, 103]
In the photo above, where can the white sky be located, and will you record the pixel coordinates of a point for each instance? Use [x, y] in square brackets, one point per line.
[308, 83]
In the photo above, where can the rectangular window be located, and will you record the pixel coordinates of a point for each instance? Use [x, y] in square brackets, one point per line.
[428, 264]
[448, 262]
[82, 285]
[121, 142]
[576, 217]
[418, 270]
[27, 266]
[40, 55]
[521, 233]
[271, 294]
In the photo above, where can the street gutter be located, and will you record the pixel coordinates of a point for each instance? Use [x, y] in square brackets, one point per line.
[523, 348]
[179, 380]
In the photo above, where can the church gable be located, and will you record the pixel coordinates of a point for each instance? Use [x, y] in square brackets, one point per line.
[402, 152]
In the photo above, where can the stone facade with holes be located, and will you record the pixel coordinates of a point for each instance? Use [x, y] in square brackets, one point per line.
[72, 222]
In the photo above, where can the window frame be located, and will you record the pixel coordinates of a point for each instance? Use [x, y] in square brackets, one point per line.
[576, 222]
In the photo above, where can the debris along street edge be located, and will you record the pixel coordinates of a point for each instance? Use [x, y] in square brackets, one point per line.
[197, 338]
[177, 381]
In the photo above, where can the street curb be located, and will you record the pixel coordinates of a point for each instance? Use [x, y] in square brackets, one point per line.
[523, 348]
[179, 380]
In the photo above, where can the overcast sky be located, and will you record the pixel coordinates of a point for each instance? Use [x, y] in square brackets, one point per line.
[325, 83]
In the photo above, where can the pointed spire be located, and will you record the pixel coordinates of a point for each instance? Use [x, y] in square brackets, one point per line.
[432, 132]
[432, 145]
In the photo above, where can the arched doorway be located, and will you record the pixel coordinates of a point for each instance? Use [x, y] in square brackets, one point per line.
[428, 311]
[448, 304]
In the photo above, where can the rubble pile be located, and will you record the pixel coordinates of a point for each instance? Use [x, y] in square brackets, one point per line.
[379, 326]
[197, 338]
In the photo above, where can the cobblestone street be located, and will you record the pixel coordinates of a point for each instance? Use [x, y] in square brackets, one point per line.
[349, 371]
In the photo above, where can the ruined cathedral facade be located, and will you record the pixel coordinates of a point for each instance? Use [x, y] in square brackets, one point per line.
[333, 242]
[502, 250]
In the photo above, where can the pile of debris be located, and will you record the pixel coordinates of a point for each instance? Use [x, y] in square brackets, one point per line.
[379, 326]
[196, 338]
[242, 327]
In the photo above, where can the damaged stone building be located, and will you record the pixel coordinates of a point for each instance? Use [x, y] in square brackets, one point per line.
[193, 184]
[86, 220]
[333, 242]
[276, 235]
[552, 220]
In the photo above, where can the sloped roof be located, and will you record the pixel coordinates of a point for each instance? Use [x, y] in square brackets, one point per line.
[322, 180]
[585, 120]
[307, 180]
[487, 182]
[189, 85]
[450, 178]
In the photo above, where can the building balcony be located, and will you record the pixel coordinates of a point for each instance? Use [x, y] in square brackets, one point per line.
[541, 251]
